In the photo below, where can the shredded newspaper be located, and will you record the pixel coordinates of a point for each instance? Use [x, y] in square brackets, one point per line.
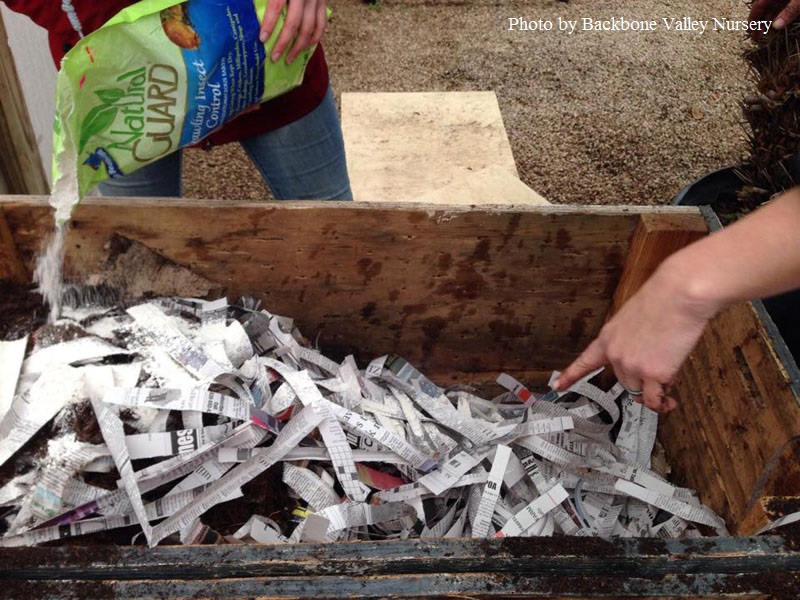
[196, 399]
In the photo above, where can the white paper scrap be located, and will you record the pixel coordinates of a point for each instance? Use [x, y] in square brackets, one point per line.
[525, 519]
[192, 399]
[114, 435]
[784, 520]
[32, 409]
[170, 443]
[310, 487]
[680, 509]
[354, 514]
[76, 351]
[262, 530]
[384, 437]
[446, 475]
[11, 356]
[491, 492]
[332, 434]
[178, 346]
[171, 469]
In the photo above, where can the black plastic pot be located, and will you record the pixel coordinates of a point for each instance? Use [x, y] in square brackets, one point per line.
[718, 187]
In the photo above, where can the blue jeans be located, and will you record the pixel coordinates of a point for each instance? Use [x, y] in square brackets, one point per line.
[303, 160]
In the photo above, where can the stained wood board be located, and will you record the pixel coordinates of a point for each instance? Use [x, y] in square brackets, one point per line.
[741, 399]
[11, 266]
[553, 568]
[401, 146]
[768, 509]
[742, 406]
[455, 290]
[20, 164]
[654, 240]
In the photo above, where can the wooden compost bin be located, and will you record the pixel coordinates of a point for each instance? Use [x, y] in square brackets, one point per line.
[464, 295]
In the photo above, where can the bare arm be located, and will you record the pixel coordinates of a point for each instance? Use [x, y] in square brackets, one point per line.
[647, 341]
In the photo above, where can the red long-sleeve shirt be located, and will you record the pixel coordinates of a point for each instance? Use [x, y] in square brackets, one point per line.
[67, 20]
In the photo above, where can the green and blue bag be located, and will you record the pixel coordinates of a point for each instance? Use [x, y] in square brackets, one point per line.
[158, 76]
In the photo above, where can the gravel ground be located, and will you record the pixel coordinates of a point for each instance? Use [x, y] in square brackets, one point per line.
[593, 118]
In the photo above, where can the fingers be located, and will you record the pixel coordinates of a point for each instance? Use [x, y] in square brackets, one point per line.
[649, 391]
[294, 17]
[788, 15]
[322, 22]
[307, 31]
[271, 14]
[592, 358]
[657, 396]
[303, 26]
[635, 390]
[767, 9]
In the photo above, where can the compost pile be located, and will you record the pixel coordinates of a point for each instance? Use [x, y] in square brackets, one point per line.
[770, 112]
[198, 421]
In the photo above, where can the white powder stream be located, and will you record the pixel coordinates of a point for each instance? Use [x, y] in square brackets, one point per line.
[49, 264]
[49, 271]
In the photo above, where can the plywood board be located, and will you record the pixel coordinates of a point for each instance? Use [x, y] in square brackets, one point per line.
[403, 145]
[492, 185]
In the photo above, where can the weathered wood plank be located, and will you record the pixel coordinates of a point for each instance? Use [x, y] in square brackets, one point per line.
[11, 266]
[513, 568]
[20, 163]
[442, 586]
[655, 238]
[492, 185]
[453, 289]
[689, 449]
[766, 510]
[744, 406]
[700, 387]
[651, 557]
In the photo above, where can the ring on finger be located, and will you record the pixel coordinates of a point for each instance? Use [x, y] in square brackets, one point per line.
[632, 392]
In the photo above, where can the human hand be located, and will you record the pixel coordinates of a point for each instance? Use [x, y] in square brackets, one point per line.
[646, 341]
[649, 338]
[782, 12]
[305, 19]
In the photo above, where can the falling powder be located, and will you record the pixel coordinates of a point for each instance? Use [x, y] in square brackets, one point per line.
[49, 264]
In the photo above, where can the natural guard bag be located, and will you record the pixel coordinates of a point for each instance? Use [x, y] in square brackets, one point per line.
[158, 76]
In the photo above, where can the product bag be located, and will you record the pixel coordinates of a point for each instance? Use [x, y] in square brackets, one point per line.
[158, 76]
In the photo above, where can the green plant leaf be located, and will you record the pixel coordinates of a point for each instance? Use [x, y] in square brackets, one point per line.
[97, 121]
[109, 95]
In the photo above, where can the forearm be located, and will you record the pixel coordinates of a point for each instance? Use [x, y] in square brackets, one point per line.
[756, 257]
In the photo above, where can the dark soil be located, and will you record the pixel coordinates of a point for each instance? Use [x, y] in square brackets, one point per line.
[21, 311]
